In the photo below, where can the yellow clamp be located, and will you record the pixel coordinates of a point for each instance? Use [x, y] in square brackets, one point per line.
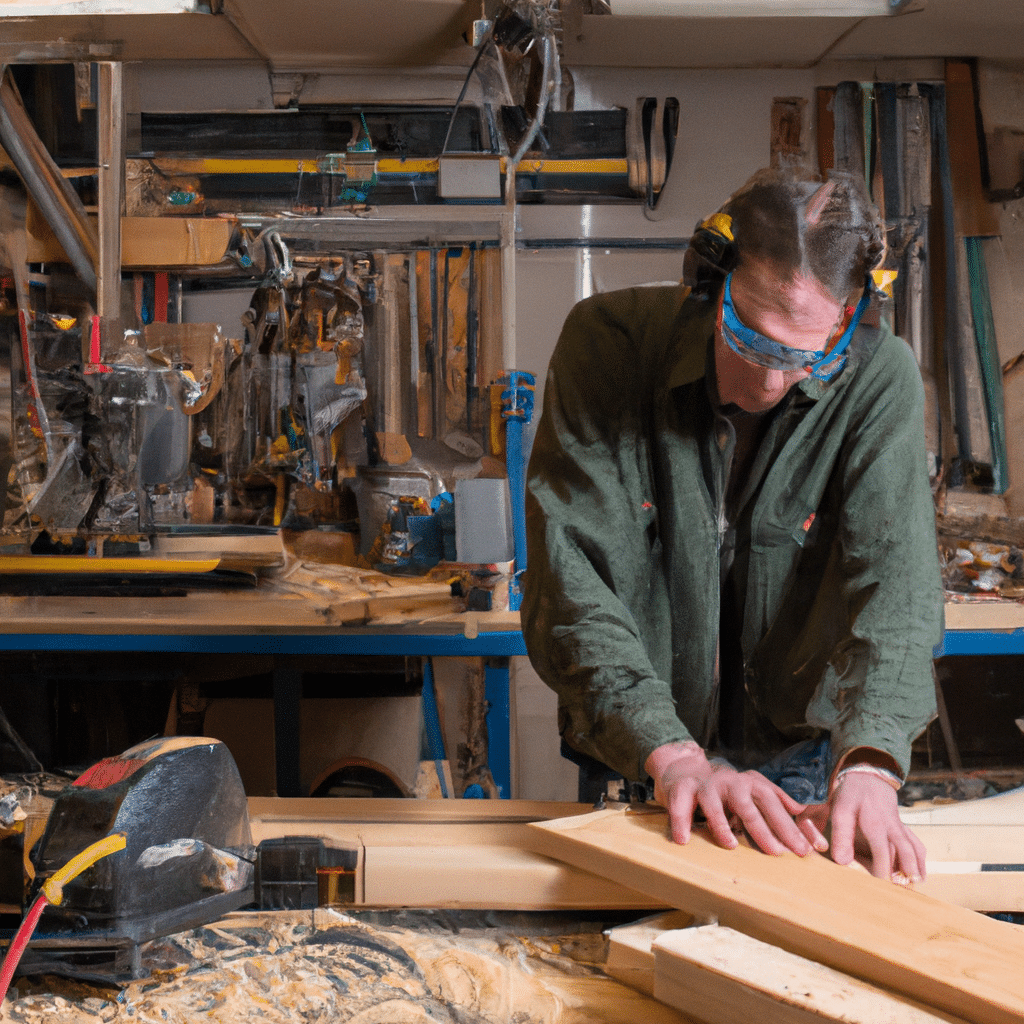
[53, 887]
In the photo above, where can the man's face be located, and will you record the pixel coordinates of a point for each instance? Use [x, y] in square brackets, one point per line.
[800, 313]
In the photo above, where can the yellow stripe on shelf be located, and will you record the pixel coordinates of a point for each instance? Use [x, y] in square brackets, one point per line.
[33, 564]
[384, 165]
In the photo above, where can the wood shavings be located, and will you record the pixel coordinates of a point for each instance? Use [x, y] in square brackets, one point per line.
[307, 967]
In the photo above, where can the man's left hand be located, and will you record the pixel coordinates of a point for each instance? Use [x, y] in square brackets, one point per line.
[865, 822]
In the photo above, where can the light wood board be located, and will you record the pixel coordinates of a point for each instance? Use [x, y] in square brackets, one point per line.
[721, 976]
[451, 854]
[949, 958]
[630, 948]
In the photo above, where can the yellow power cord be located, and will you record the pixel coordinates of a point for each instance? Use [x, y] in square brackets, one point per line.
[53, 887]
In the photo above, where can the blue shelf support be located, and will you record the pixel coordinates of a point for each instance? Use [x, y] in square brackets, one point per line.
[497, 685]
[517, 411]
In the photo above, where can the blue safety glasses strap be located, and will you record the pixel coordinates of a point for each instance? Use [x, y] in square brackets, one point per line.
[757, 348]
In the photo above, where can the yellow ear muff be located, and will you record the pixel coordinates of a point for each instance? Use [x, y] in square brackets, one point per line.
[883, 280]
[721, 224]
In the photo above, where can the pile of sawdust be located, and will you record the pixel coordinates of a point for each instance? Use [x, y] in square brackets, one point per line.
[301, 967]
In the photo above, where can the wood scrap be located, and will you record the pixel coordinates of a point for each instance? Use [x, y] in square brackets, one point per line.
[948, 958]
[351, 595]
[721, 976]
[631, 948]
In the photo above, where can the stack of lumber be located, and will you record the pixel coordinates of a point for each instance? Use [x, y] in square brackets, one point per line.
[718, 975]
[797, 939]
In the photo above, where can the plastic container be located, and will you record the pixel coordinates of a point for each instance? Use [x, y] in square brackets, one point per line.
[483, 521]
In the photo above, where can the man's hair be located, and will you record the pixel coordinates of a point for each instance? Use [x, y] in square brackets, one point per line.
[829, 230]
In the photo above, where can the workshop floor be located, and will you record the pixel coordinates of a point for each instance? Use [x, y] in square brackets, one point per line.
[372, 968]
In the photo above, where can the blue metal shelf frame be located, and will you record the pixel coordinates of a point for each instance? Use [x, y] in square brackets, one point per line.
[497, 644]
[981, 641]
[497, 647]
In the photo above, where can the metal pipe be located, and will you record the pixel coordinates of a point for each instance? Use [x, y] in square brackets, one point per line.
[111, 189]
[56, 199]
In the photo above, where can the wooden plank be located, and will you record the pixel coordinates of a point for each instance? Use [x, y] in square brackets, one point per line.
[974, 214]
[1001, 809]
[973, 849]
[630, 948]
[989, 844]
[721, 976]
[472, 876]
[264, 810]
[947, 957]
[985, 615]
[205, 613]
[465, 854]
[972, 886]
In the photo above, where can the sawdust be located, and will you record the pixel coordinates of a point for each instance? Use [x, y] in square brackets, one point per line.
[308, 967]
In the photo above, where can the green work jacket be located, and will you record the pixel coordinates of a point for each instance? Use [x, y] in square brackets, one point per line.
[841, 591]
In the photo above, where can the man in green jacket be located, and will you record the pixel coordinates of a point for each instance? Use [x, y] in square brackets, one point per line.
[733, 579]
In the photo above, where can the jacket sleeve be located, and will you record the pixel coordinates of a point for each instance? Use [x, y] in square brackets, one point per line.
[593, 590]
[878, 689]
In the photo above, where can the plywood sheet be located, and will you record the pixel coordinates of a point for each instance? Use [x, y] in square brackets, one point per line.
[949, 958]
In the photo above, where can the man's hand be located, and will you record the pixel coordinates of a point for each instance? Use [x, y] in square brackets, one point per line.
[684, 780]
[864, 813]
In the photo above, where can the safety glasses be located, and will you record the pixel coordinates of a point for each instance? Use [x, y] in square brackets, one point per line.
[825, 364]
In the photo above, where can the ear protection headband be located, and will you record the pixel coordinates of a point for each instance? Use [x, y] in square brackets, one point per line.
[711, 254]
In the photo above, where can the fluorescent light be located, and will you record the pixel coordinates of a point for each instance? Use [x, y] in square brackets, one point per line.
[761, 8]
[51, 8]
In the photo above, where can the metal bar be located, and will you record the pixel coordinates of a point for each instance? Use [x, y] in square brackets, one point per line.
[111, 188]
[472, 319]
[432, 726]
[508, 276]
[287, 703]
[504, 643]
[499, 747]
[981, 641]
[432, 353]
[988, 360]
[56, 199]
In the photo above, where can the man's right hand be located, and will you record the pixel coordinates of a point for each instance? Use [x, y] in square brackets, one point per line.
[684, 780]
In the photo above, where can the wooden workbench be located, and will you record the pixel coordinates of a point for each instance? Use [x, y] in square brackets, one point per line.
[409, 619]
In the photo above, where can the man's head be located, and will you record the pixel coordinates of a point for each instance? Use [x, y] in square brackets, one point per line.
[799, 251]
[830, 231]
